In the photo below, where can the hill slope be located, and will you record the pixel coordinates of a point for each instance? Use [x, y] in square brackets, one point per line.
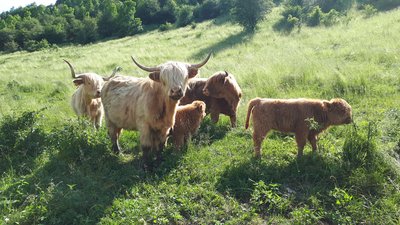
[56, 170]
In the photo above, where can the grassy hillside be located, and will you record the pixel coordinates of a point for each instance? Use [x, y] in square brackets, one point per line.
[56, 170]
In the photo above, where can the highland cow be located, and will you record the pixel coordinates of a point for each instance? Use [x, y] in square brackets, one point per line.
[147, 104]
[306, 118]
[86, 99]
[187, 122]
[220, 92]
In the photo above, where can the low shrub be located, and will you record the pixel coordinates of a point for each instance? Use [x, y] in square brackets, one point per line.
[166, 26]
[268, 199]
[291, 18]
[33, 45]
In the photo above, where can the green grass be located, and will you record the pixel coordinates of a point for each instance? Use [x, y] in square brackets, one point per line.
[56, 170]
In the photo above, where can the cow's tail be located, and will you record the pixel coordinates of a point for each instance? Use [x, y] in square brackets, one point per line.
[252, 103]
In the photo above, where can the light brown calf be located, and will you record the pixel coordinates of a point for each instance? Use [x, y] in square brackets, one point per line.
[187, 122]
[296, 116]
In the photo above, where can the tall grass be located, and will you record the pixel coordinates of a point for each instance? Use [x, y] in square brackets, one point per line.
[55, 169]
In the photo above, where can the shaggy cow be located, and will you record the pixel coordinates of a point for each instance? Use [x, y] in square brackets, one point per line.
[306, 118]
[147, 104]
[220, 92]
[187, 122]
[86, 99]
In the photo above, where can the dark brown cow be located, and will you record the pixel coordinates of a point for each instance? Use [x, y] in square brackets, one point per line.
[220, 92]
[296, 116]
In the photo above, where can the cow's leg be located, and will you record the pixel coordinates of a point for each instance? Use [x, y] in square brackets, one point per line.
[301, 139]
[146, 143]
[160, 138]
[259, 133]
[114, 134]
[98, 120]
[214, 116]
[233, 120]
[178, 141]
[312, 138]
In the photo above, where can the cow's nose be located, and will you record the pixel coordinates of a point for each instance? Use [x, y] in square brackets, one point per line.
[98, 93]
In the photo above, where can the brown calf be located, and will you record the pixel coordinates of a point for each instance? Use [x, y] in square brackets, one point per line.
[187, 122]
[295, 116]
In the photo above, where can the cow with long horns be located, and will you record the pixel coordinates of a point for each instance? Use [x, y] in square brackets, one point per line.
[147, 105]
[86, 99]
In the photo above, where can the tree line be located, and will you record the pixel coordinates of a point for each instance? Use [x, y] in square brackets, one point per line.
[35, 27]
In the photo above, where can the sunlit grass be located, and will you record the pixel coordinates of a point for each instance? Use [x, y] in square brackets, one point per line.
[72, 176]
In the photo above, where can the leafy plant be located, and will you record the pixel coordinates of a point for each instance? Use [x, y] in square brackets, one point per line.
[267, 199]
[249, 12]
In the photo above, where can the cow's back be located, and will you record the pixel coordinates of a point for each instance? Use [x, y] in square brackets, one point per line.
[124, 101]
[195, 92]
[287, 115]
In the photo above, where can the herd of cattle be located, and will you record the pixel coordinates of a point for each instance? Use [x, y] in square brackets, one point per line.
[172, 103]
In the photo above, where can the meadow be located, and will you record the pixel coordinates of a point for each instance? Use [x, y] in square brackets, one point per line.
[55, 169]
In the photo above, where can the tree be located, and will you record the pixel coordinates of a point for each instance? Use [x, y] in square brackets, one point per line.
[249, 12]
[185, 16]
[107, 19]
[28, 29]
[127, 23]
[146, 11]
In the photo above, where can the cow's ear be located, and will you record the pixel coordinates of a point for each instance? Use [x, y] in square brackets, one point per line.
[225, 80]
[193, 72]
[78, 81]
[327, 104]
[200, 107]
[155, 76]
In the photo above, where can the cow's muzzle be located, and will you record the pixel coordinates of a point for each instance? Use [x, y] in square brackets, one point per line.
[176, 94]
[348, 120]
[97, 95]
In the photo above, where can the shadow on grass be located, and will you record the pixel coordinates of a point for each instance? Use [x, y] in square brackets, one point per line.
[227, 43]
[81, 179]
[210, 132]
[306, 176]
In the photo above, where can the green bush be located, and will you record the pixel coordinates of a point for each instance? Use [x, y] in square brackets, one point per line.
[166, 26]
[267, 198]
[208, 10]
[382, 5]
[249, 12]
[359, 149]
[369, 10]
[32, 45]
[314, 17]
[20, 134]
[11, 46]
[291, 18]
[185, 16]
[338, 5]
[331, 18]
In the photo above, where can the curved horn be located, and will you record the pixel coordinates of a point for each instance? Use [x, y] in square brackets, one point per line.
[197, 66]
[145, 68]
[72, 68]
[116, 69]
